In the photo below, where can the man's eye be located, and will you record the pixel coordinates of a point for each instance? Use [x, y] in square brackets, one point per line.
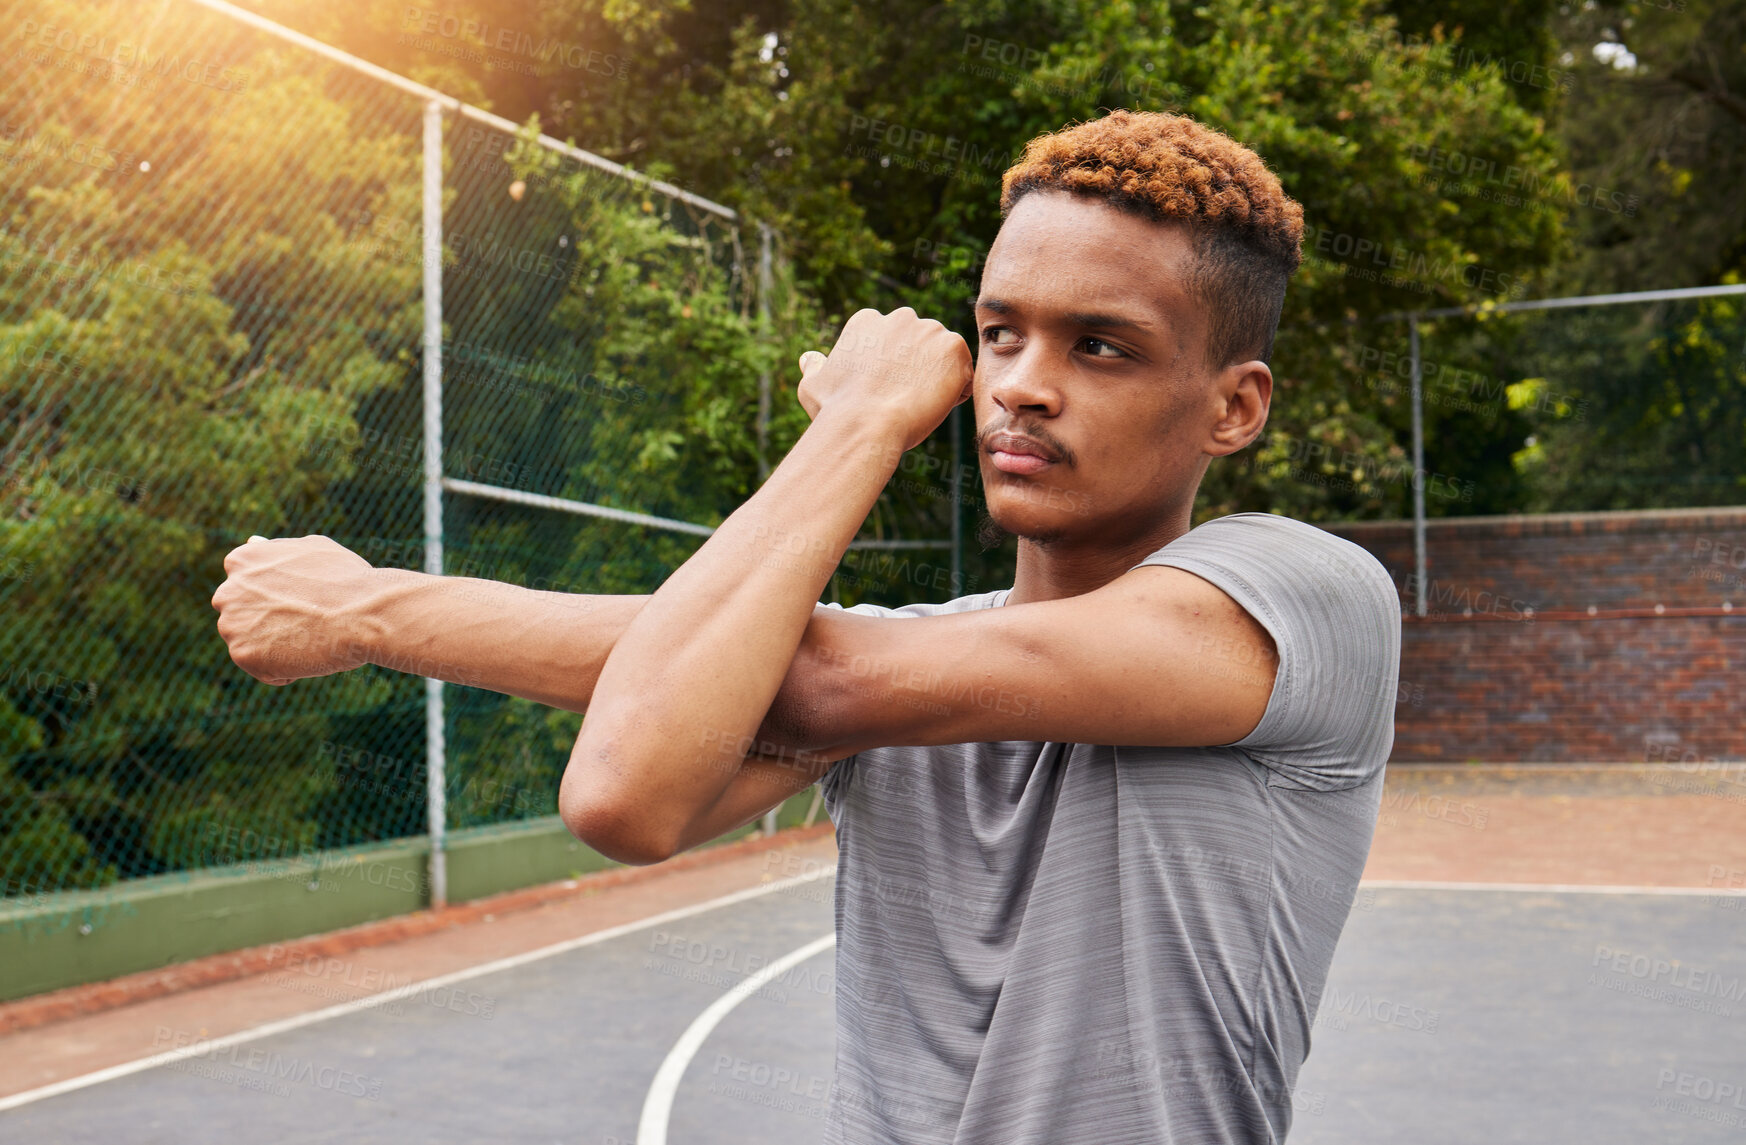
[1096, 346]
[993, 335]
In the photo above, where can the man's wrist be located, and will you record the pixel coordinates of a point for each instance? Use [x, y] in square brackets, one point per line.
[864, 439]
[361, 623]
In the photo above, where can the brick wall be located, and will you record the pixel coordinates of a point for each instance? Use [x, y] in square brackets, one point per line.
[1543, 641]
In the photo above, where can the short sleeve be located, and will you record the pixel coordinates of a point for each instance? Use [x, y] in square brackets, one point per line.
[1334, 615]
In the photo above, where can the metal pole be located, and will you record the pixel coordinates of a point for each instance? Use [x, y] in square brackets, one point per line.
[607, 512]
[435, 770]
[1418, 467]
[764, 275]
[955, 427]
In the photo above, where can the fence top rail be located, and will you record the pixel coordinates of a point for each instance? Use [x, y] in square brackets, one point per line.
[412, 87]
[586, 509]
[1567, 302]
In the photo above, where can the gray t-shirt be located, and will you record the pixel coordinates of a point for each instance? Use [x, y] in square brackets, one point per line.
[1070, 943]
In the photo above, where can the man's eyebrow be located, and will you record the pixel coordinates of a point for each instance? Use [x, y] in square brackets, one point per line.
[1107, 321]
[1073, 317]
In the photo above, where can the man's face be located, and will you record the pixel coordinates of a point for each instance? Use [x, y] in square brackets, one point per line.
[1091, 346]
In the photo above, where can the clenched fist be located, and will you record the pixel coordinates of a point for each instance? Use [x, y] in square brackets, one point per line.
[896, 371]
[284, 608]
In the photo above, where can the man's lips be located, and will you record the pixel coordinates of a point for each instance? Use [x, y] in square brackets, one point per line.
[1012, 453]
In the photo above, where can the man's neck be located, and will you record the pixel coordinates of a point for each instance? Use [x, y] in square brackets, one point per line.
[1062, 568]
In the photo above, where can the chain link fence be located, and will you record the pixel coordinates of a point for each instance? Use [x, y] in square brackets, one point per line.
[212, 298]
[1574, 404]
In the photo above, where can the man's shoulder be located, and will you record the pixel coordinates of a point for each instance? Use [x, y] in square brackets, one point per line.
[1273, 529]
[1302, 548]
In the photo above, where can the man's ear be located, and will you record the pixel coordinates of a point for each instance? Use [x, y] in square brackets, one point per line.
[1244, 392]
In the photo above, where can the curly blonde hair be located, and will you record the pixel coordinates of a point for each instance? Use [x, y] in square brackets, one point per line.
[1247, 232]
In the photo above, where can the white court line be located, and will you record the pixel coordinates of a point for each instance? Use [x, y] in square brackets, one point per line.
[411, 989]
[1546, 888]
[208, 1046]
[658, 1106]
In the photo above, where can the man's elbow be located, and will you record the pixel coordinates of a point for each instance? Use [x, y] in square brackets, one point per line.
[624, 830]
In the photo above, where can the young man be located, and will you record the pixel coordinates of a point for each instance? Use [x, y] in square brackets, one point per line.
[1098, 832]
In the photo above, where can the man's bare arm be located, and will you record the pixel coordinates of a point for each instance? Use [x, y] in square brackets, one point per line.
[700, 666]
[1157, 657]
[547, 647]
[302, 607]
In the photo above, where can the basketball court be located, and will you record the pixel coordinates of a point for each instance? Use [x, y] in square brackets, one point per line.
[697, 1006]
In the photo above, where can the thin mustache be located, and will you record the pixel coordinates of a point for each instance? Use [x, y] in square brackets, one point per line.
[1036, 433]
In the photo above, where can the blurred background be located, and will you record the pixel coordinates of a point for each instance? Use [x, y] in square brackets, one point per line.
[216, 275]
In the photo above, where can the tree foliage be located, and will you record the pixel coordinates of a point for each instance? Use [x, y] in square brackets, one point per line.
[210, 326]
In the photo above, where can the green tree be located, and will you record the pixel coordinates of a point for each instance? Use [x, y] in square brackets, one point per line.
[876, 135]
[1666, 384]
[151, 401]
[210, 324]
[1658, 115]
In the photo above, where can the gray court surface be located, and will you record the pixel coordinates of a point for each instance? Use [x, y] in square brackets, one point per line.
[1451, 1016]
